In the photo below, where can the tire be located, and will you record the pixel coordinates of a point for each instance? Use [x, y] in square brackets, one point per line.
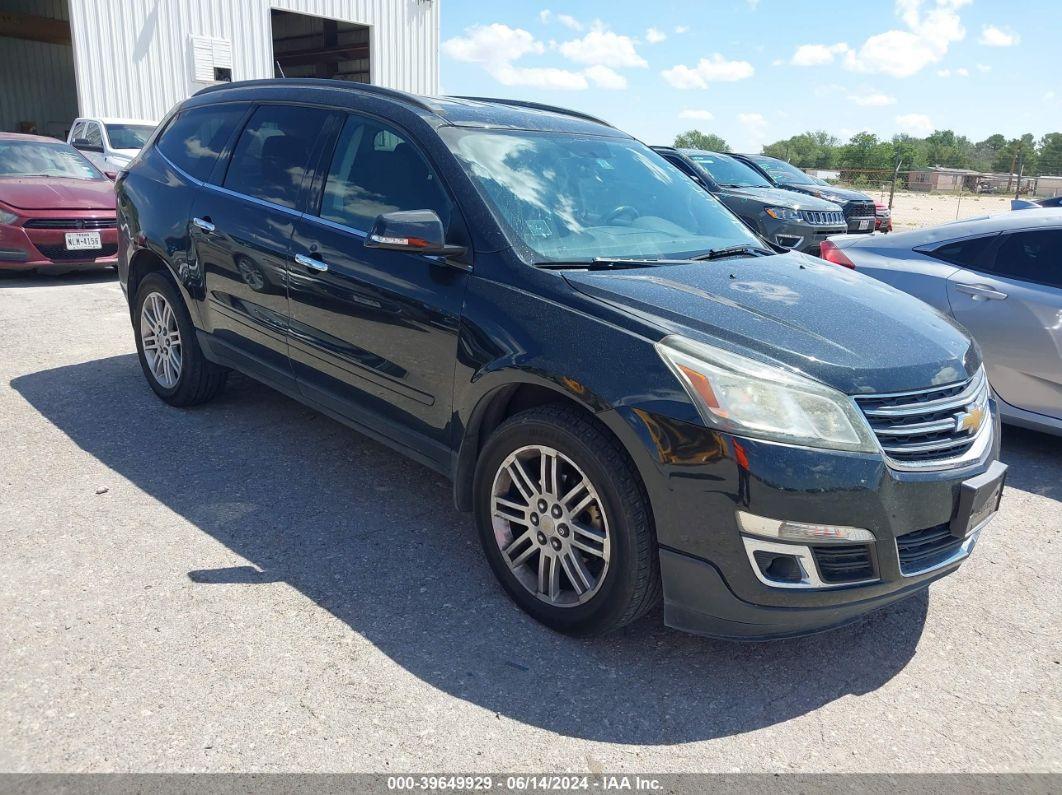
[612, 537]
[189, 379]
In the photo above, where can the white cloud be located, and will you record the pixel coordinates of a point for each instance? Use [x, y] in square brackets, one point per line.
[817, 54]
[993, 36]
[544, 15]
[752, 4]
[917, 124]
[569, 21]
[714, 69]
[539, 77]
[693, 113]
[496, 46]
[492, 44]
[680, 29]
[601, 46]
[960, 72]
[1048, 96]
[655, 36]
[931, 27]
[875, 100]
[984, 68]
[756, 127]
[605, 77]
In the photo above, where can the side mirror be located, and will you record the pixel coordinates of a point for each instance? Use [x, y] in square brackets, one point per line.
[415, 231]
[85, 145]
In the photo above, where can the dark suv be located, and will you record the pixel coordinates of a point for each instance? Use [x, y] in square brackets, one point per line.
[859, 210]
[786, 218]
[630, 392]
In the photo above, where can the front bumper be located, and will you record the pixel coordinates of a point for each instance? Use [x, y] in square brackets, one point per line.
[23, 248]
[710, 584]
[798, 236]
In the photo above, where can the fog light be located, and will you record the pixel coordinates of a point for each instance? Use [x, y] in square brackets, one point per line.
[802, 532]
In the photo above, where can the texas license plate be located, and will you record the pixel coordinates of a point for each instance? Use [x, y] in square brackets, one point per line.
[864, 224]
[979, 500]
[82, 241]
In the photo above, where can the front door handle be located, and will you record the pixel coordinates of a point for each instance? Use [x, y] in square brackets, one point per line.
[313, 264]
[204, 224]
[980, 292]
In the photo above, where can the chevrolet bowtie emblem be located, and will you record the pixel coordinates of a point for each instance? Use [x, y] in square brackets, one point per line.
[969, 420]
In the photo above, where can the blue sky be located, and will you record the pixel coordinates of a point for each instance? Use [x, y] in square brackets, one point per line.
[755, 71]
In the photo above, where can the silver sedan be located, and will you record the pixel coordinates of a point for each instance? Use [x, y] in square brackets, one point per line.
[999, 276]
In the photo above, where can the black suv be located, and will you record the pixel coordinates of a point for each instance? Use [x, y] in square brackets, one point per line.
[630, 392]
[786, 218]
[859, 210]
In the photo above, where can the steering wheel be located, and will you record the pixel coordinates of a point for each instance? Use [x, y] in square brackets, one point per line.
[623, 209]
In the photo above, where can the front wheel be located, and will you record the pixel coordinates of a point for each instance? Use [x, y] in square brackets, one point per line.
[169, 354]
[564, 521]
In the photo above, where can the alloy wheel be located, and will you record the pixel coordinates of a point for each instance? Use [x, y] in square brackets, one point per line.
[550, 524]
[161, 339]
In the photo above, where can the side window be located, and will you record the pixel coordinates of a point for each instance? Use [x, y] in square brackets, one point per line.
[966, 253]
[269, 161]
[375, 170]
[92, 133]
[77, 132]
[1032, 256]
[194, 139]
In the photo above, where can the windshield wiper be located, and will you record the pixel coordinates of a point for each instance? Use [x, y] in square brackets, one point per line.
[743, 250]
[599, 264]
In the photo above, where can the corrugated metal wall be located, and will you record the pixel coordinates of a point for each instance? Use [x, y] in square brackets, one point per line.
[134, 57]
[36, 78]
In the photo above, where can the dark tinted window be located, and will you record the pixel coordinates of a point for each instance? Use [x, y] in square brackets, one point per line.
[963, 252]
[1032, 256]
[375, 170]
[194, 139]
[269, 161]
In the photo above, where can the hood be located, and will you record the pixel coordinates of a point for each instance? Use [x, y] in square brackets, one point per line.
[127, 153]
[784, 198]
[830, 193]
[52, 193]
[837, 326]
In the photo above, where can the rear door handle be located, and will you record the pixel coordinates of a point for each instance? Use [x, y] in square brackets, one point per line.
[204, 224]
[980, 292]
[313, 264]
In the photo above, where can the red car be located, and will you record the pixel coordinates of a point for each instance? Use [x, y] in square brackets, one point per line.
[882, 217]
[56, 208]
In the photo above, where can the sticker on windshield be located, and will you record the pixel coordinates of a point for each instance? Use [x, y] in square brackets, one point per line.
[539, 228]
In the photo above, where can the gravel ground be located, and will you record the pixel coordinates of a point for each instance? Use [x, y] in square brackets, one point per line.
[249, 586]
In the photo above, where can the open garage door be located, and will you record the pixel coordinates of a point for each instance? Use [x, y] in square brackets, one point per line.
[308, 46]
[38, 89]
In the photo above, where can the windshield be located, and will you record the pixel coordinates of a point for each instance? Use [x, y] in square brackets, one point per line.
[577, 198]
[729, 172]
[781, 171]
[129, 136]
[43, 159]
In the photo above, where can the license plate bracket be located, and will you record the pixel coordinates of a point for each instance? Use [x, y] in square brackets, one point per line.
[83, 241]
[978, 500]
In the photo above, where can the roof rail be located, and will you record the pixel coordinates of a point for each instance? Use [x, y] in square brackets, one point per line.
[319, 82]
[519, 103]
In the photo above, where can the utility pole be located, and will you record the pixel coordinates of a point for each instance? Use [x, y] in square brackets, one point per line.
[1021, 170]
[895, 174]
[1010, 174]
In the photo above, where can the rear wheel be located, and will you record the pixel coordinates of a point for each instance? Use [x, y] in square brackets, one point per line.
[169, 354]
[564, 522]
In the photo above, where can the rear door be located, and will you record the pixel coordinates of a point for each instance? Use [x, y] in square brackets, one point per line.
[374, 332]
[1013, 307]
[241, 226]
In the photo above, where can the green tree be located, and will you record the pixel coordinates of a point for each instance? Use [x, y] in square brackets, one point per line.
[865, 151]
[1017, 150]
[1051, 154]
[695, 139]
[812, 149]
[985, 152]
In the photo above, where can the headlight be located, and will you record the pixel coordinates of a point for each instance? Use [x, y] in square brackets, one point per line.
[7, 218]
[749, 398]
[784, 213]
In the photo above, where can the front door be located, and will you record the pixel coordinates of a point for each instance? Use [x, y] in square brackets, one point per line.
[1013, 307]
[374, 332]
[241, 231]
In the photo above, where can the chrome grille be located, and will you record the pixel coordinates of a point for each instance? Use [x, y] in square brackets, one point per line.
[931, 426]
[823, 217]
[71, 223]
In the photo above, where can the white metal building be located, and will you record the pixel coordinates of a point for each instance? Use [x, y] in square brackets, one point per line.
[60, 59]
